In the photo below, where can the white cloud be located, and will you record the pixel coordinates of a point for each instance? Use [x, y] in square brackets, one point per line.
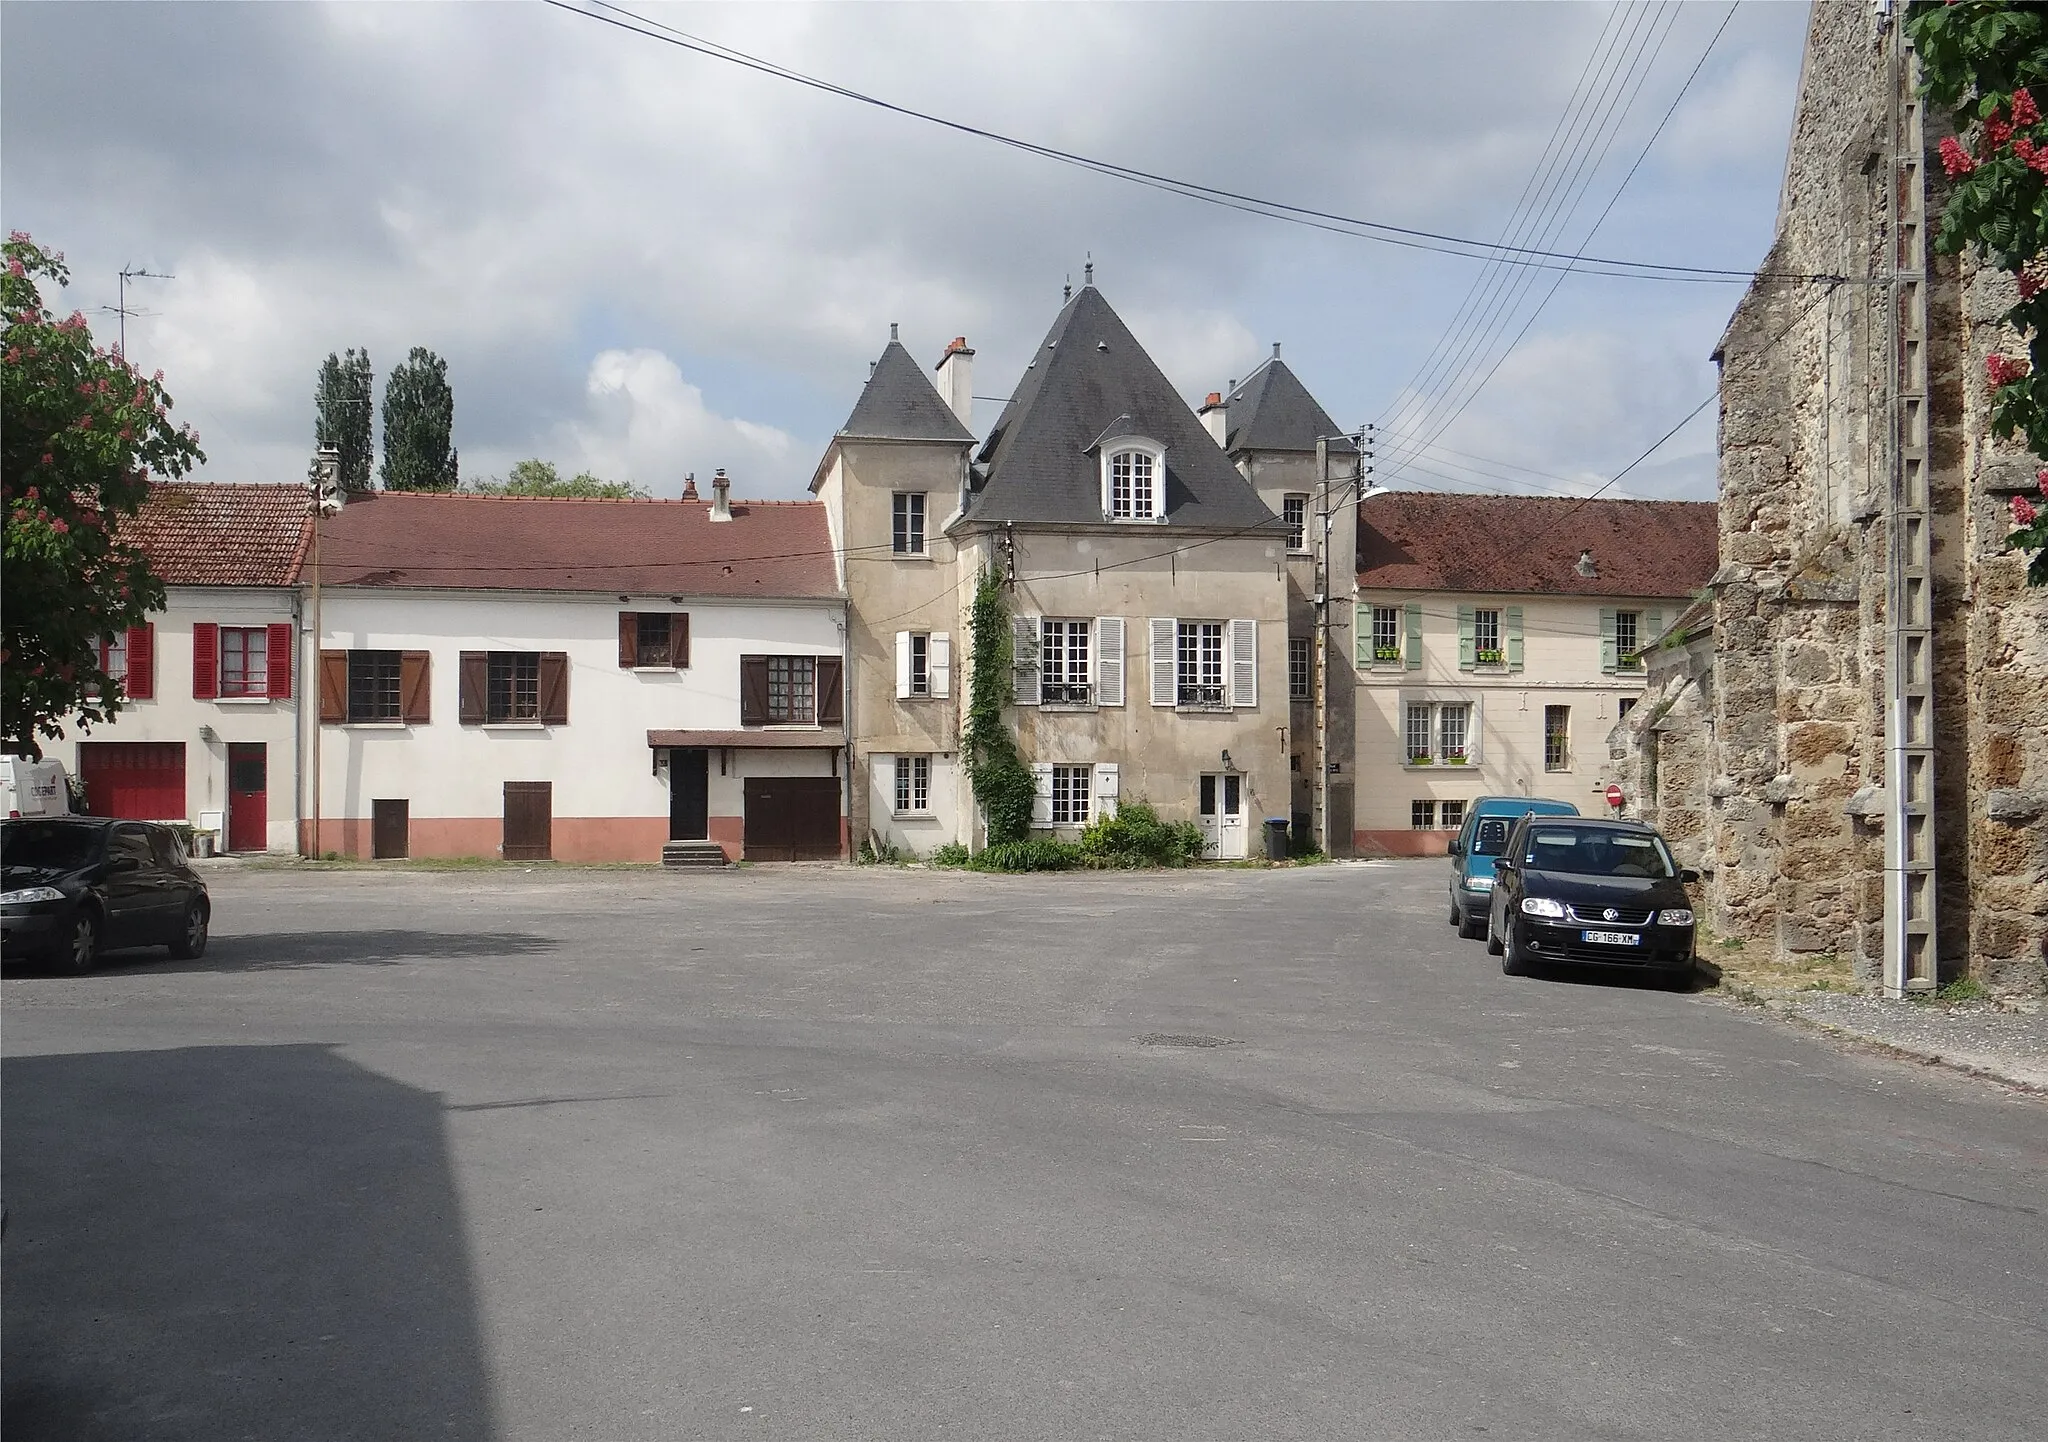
[647, 424]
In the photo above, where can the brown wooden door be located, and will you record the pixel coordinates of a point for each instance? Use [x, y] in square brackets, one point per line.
[529, 820]
[390, 830]
[791, 818]
[248, 796]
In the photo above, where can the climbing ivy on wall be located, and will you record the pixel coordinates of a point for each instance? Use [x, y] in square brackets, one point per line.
[1986, 63]
[1001, 781]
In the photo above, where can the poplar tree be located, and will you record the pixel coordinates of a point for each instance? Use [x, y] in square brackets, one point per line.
[419, 417]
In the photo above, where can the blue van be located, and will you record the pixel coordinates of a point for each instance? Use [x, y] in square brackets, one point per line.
[1483, 837]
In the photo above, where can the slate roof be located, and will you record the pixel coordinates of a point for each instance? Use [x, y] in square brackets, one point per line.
[502, 543]
[1530, 545]
[899, 403]
[1271, 410]
[1088, 372]
[212, 533]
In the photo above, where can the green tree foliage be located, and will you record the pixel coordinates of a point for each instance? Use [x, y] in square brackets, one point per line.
[419, 417]
[83, 432]
[1986, 63]
[1001, 780]
[541, 478]
[341, 414]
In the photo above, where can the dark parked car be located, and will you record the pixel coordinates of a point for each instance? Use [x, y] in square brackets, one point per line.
[76, 886]
[1591, 893]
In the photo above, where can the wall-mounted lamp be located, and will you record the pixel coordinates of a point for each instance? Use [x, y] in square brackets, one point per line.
[1228, 764]
[207, 733]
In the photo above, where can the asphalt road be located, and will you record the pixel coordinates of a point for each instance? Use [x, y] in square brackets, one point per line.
[815, 1154]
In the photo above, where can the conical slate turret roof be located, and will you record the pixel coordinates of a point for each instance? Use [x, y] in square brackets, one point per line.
[1090, 374]
[899, 403]
[1273, 411]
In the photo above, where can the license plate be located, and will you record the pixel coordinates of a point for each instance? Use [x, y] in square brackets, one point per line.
[1612, 938]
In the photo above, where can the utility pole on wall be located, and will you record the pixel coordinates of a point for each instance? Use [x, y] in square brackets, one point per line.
[1327, 507]
[323, 480]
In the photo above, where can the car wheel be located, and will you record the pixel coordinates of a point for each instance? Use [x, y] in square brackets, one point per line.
[81, 943]
[1511, 963]
[1677, 979]
[1493, 944]
[1471, 929]
[191, 940]
[1457, 913]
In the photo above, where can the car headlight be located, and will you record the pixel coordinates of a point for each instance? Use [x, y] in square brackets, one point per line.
[28, 895]
[1675, 916]
[1479, 883]
[1542, 906]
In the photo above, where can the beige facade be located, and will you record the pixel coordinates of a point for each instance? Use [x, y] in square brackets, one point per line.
[1440, 724]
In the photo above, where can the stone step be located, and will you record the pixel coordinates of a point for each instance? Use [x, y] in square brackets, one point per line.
[692, 854]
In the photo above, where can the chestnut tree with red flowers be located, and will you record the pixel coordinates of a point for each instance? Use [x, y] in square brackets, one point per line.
[83, 433]
[1986, 63]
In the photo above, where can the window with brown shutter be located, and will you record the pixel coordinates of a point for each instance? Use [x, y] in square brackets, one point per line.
[475, 677]
[654, 640]
[679, 639]
[333, 687]
[753, 690]
[629, 639]
[554, 688]
[415, 686]
[831, 709]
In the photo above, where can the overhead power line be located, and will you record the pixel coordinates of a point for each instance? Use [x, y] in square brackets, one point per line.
[1410, 237]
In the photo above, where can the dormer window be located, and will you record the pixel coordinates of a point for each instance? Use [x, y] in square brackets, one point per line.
[1133, 475]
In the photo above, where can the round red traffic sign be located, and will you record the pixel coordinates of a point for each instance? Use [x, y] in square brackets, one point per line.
[1614, 797]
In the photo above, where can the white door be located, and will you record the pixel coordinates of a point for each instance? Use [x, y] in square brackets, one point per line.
[1220, 815]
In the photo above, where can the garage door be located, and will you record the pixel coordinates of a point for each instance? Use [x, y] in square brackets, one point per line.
[791, 818]
[135, 780]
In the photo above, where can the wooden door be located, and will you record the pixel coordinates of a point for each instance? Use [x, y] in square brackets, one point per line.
[136, 780]
[791, 818]
[689, 794]
[248, 796]
[529, 820]
[390, 830]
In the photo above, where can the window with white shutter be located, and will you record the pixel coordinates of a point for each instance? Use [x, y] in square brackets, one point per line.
[941, 664]
[1106, 786]
[903, 665]
[1244, 663]
[1041, 793]
[1024, 659]
[1109, 660]
[1164, 673]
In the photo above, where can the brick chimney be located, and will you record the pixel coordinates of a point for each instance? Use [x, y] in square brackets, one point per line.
[721, 496]
[690, 486]
[1216, 416]
[956, 380]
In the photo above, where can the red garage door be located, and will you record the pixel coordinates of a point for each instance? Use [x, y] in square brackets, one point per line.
[137, 780]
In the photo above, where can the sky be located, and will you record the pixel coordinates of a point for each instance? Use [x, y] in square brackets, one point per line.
[646, 263]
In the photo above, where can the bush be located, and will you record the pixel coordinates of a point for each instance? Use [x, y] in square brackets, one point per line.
[1135, 836]
[1037, 854]
[951, 854]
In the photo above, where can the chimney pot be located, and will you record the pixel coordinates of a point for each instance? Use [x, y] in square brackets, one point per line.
[690, 486]
[721, 496]
[956, 380]
[1214, 398]
[1276, 350]
[1586, 566]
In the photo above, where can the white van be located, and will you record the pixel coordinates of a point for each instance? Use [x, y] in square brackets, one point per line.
[33, 788]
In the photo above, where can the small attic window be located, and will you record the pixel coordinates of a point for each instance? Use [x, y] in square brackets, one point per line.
[1133, 480]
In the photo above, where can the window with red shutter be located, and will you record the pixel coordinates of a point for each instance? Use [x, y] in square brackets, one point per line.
[205, 660]
[280, 661]
[140, 682]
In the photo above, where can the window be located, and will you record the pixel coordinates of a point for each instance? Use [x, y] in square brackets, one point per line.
[1069, 795]
[114, 656]
[1486, 636]
[913, 784]
[1452, 815]
[650, 642]
[1294, 511]
[1063, 663]
[1557, 738]
[512, 687]
[244, 661]
[1422, 815]
[654, 640]
[1133, 486]
[1420, 751]
[373, 686]
[909, 523]
[1200, 663]
[1452, 724]
[920, 663]
[792, 693]
[1386, 633]
[1627, 630]
[1624, 706]
[1299, 687]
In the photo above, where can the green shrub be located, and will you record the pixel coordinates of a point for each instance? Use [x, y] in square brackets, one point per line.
[1135, 836]
[1037, 854]
[951, 854]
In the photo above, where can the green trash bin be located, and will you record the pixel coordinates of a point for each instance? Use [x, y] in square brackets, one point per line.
[1276, 838]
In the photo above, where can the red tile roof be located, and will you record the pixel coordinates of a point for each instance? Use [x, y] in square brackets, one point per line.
[211, 533]
[829, 739]
[502, 543]
[1530, 545]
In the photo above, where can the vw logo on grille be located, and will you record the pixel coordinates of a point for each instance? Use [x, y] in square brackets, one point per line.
[1610, 914]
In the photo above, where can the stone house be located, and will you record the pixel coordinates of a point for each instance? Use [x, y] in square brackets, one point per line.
[1856, 740]
[1497, 639]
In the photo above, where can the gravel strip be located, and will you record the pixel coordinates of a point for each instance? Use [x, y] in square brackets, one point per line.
[1973, 1037]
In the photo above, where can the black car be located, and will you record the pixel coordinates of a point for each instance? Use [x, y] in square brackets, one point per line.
[1591, 893]
[76, 886]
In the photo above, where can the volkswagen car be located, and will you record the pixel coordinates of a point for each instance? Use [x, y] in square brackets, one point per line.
[1585, 892]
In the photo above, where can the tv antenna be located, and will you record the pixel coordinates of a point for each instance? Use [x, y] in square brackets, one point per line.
[129, 273]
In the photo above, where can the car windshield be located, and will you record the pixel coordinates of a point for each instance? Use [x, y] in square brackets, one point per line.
[1596, 852]
[1491, 837]
[52, 845]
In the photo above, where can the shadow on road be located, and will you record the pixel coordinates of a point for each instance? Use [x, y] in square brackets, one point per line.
[219, 1242]
[286, 950]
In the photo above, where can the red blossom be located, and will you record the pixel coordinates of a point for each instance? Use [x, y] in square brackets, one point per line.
[2041, 477]
[2003, 370]
[2023, 511]
[57, 523]
[1997, 130]
[2024, 111]
[2030, 285]
[46, 458]
[1954, 159]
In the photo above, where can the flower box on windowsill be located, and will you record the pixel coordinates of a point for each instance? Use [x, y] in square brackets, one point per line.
[1421, 761]
[1386, 653]
[1458, 760]
[1489, 658]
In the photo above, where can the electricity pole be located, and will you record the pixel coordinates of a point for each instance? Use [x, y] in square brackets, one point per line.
[1327, 507]
[323, 481]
